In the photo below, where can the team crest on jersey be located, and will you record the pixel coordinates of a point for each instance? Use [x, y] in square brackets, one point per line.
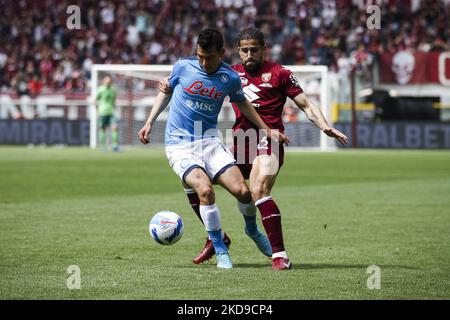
[224, 78]
[266, 76]
[244, 81]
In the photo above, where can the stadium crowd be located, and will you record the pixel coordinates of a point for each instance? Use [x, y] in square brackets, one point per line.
[39, 52]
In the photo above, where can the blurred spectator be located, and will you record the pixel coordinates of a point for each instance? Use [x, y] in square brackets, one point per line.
[35, 86]
[133, 38]
[107, 17]
[19, 84]
[360, 58]
[3, 57]
[75, 83]
[58, 78]
[46, 69]
[290, 113]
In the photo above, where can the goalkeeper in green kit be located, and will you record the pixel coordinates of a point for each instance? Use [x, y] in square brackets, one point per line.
[106, 104]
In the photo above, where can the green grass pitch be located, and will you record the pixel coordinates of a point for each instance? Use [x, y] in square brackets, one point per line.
[341, 213]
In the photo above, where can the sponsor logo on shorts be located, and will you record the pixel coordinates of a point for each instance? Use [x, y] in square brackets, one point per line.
[184, 163]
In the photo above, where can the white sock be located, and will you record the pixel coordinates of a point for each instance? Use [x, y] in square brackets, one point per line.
[247, 209]
[281, 254]
[211, 217]
[262, 200]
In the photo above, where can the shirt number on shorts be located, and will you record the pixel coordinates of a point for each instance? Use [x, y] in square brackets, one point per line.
[263, 143]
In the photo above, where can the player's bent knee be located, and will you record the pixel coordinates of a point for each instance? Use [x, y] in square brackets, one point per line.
[206, 195]
[259, 192]
[243, 194]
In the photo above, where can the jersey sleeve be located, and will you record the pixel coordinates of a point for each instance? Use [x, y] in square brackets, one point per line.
[236, 92]
[174, 76]
[289, 83]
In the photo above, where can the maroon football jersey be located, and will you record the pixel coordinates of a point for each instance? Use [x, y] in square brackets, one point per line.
[267, 91]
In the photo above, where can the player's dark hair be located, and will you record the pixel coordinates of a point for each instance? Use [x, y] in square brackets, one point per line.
[210, 38]
[252, 33]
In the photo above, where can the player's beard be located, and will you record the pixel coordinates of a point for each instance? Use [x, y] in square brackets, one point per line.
[254, 67]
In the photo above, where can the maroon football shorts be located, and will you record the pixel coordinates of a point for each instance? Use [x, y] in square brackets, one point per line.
[245, 153]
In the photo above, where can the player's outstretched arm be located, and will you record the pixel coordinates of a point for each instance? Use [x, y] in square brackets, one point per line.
[248, 110]
[316, 116]
[161, 102]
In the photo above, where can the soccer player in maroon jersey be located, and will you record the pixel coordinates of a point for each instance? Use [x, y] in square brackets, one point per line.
[266, 85]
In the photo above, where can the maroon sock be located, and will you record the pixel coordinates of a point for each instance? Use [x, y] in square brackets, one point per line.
[195, 202]
[271, 219]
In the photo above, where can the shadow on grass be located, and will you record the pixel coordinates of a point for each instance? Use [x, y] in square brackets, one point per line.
[253, 265]
[312, 266]
[305, 266]
[235, 265]
[309, 266]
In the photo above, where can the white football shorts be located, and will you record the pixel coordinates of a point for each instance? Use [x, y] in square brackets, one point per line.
[209, 154]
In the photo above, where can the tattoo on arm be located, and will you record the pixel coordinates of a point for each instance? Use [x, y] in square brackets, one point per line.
[311, 111]
[315, 115]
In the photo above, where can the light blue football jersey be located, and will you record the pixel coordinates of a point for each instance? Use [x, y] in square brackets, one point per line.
[197, 99]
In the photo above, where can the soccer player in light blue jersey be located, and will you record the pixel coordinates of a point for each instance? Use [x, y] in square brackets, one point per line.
[192, 144]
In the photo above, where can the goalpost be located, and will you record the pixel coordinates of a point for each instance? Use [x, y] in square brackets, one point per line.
[137, 87]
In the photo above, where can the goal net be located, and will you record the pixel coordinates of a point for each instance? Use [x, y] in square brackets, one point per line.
[137, 87]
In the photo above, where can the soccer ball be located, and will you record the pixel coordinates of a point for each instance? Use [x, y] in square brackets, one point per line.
[166, 227]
